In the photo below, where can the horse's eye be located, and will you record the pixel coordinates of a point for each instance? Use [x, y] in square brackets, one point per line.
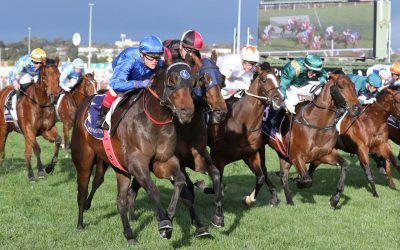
[170, 84]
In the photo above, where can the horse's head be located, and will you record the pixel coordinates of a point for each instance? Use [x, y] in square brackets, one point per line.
[266, 87]
[49, 79]
[342, 92]
[389, 101]
[87, 85]
[208, 88]
[174, 84]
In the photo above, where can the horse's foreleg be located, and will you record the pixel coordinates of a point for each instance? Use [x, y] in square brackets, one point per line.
[3, 139]
[30, 142]
[139, 168]
[274, 201]
[98, 179]
[52, 136]
[385, 151]
[284, 174]
[123, 183]
[311, 169]
[66, 127]
[204, 163]
[364, 162]
[132, 194]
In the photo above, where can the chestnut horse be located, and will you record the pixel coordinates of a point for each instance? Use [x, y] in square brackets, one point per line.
[311, 137]
[368, 133]
[239, 136]
[85, 87]
[36, 116]
[144, 141]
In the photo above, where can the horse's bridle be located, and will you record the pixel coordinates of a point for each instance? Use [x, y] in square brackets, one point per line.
[268, 95]
[394, 101]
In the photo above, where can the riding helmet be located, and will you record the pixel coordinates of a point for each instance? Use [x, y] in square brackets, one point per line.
[151, 45]
[375, 80]
[313, 62]
[38, 55]
[78, 63]
[192, 39]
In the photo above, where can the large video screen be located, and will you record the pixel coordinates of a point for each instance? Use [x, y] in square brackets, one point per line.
[330, 29]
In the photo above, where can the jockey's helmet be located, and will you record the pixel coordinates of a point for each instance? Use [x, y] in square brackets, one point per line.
[192, 39]
[313, 62]
[38, 55]
[78, 63]
[151, 45]
[250, 53]
[374, 80]
[395, 68]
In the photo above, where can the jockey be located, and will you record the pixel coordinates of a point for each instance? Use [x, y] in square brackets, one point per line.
[26, 69]
[296, 77]
[329, 32]
[346, 32]
[395, 71]
[71, 73]
[238, 71]
[383, 71]
[191, 42]
[133, 69]
[366, 87]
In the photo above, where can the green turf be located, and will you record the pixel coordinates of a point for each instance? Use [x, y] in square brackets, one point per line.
[43, 215]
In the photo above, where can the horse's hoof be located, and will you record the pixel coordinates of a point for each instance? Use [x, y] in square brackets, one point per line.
[200, 184]
[132, 242]
[290, 203]
[273, 202]
[165, 229]
[49, 169]
[80, 227]
[202, 232]
[307, 183]
[218, 221]
[41, 174]
[382, 171]
[376, 195]
[31, 179]
[333, 202]
[246, 200]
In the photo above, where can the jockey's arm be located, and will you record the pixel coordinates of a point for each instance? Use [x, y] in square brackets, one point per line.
[16, 71]
[288, 75]
[64, 78]
[119, 81]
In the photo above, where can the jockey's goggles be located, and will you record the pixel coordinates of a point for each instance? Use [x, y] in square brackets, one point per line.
[35, 62]
[249, 63]
[189, 50]
[152, 57]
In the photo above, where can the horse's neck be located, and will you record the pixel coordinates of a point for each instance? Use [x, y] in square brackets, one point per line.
[380, 115]
[248, 108]
[154, 108]
[323, 108]
[37, 92]
[77, 95]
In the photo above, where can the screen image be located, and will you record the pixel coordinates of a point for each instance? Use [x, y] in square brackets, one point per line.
[336, 29]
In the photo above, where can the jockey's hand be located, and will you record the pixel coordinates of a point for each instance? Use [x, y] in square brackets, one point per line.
[370, 101]
[290, 107]
[16, 85]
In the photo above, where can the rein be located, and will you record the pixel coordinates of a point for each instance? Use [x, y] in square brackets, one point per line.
[35, 102]
[162, 103]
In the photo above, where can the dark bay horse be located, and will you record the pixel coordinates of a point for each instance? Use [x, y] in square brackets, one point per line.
[368, 133]
[140, 145]
[311, 137]
[36, 116]
[239, 136]
[86, 86]
[191, 137]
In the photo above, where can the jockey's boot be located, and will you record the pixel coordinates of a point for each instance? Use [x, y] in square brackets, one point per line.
[101, 118]
[276, 120]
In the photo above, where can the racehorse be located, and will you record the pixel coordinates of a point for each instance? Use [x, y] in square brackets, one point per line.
[266, 37]
[239, 136]
[192, 137]
[368, 133]
[144, 141]
[86, 86]
[36, 116]
[311, 136]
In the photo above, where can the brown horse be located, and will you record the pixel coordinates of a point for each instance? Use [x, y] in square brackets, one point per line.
[191, 147]
[239, 136]
[368, 133]
[85, 87]
[140, 145]
[36, 116]
[311, 137]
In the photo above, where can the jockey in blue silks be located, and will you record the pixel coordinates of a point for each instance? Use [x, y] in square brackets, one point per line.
[133, 68]
[71, 73]
[366, 87]
[26, 69]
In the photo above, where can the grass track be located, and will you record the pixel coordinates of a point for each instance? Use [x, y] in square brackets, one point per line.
[43, 215]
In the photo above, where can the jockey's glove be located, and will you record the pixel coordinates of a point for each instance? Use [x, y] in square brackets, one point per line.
[370, 101]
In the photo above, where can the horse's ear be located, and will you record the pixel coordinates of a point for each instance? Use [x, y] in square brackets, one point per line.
[334, 76]
[258, 70]
[214, 56]
[167, 57]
